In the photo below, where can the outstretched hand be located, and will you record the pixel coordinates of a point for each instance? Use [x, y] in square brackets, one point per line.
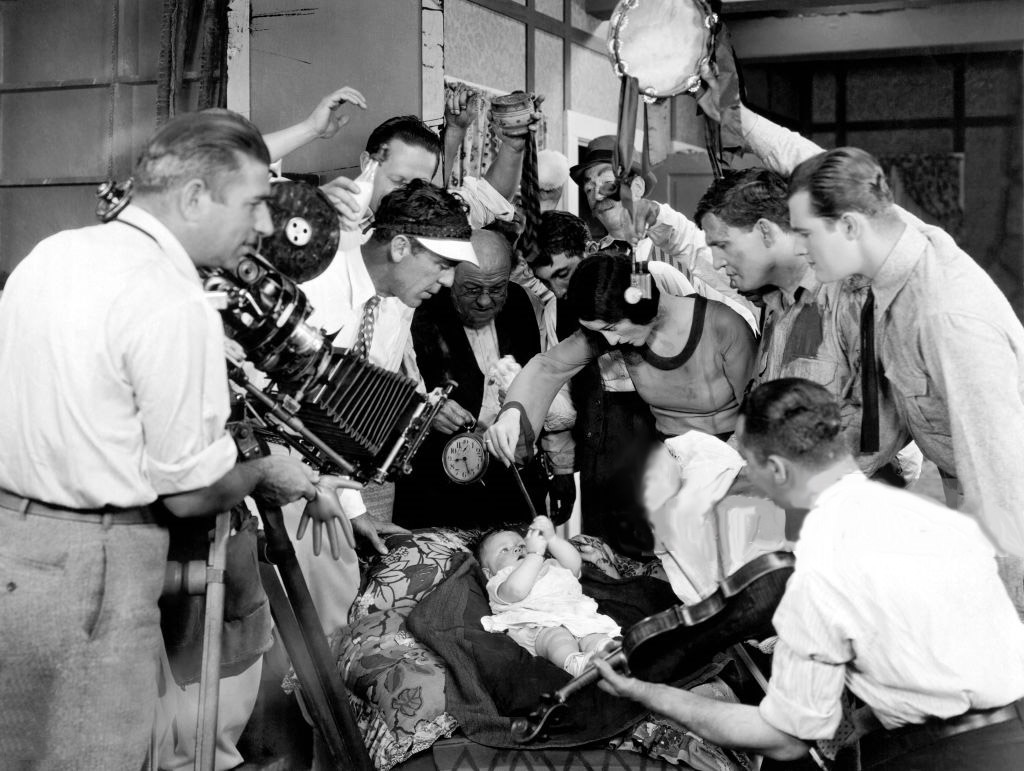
[325, 512]
[326, 120]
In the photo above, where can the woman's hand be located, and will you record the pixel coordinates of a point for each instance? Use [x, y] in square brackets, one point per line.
[503, 436]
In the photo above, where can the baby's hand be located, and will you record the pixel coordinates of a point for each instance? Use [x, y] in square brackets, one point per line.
[536, 543]
[544, 525]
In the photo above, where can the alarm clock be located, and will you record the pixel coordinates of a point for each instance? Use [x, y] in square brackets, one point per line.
[465, 457]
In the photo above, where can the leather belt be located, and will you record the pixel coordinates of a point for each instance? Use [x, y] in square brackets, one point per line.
[882, 746]
[138, 515]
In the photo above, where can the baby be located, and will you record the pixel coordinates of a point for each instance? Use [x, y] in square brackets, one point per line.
[539, 602]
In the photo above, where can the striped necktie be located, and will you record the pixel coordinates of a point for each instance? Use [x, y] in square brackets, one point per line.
[361, 348]
[868, 377]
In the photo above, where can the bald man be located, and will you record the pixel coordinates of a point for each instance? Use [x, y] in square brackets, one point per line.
[460, 334]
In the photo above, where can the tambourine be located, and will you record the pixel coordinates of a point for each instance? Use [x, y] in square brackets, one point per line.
[662, 43]
[306, 230]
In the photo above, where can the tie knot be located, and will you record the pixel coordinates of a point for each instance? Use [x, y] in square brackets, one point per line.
[372, 303]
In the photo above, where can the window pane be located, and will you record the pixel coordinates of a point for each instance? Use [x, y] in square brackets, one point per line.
[548, 77]
[484, 47]
[912, 88]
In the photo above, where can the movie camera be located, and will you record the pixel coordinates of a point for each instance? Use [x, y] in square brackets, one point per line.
[342, 413]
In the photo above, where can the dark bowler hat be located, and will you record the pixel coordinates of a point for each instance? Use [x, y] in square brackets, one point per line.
[600, 150]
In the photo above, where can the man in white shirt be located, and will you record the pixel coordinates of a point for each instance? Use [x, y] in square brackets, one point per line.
[420, 233]
[113, 394]
[893, 597]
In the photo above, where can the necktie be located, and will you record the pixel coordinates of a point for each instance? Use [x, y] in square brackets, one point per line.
[361, 348]
[869, 377]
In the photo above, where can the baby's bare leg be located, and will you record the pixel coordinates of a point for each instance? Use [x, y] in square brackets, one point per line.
[595, 643]
[556, 644]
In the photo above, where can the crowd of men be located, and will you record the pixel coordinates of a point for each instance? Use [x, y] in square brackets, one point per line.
[874, 331]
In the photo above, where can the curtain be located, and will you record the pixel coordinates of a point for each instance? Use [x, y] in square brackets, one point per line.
[481, 142]
[188, 27]
[930, 186]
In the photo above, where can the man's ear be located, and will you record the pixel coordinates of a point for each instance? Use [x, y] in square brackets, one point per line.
[401, 247]
[364, 158]
[591, 248]
[779, 469]
[487, 572]
[767, 230]
[851, 224]
[192, 199]
[638, 186]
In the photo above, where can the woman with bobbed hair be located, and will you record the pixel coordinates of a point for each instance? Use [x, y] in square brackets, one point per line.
[689, 357]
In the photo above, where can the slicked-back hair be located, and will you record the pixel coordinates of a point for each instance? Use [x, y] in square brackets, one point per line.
[743, 196]
[560, 233]
[796, 419]
[406, 128]
[597, 291]
[207, 145]
[843, 180]
[420, 209]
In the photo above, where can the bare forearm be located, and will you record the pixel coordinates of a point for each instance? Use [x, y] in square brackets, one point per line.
[227, 491]
[288, 140]
[504, 173]
[520, 582]
[453, 136]
[566, 554]
[739, 726]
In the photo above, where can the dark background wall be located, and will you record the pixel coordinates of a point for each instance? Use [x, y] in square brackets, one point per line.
[967, 103]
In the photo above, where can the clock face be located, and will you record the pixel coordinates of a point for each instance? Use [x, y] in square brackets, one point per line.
[465, 458]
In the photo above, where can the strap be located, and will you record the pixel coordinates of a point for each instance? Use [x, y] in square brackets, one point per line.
[692, 341]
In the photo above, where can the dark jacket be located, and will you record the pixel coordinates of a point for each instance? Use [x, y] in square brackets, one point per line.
[427, 497]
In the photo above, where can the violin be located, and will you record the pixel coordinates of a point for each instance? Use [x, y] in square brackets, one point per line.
[666, 646]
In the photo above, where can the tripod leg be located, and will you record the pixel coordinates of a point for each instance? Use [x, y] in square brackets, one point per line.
[213, 624]
[312, 642]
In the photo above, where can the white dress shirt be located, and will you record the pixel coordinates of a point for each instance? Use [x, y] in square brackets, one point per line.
[113, 385]
[898, 599]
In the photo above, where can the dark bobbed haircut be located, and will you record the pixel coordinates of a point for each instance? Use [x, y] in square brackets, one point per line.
[843, 180]
[597, 291]
[420, 209]
[406, 128]
[560, 233]
[207, 145]
[743, 196]
[796, 419]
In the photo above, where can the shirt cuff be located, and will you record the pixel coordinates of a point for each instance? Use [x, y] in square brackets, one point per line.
[194, 472]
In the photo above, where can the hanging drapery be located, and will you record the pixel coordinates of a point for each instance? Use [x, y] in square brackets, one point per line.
[930, 186]
[188, 26]
[481, 143]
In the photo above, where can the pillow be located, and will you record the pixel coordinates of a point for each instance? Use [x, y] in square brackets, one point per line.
[416, 562]
[397, 687]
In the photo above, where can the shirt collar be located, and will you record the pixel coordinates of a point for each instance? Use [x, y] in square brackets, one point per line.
[361, 283]
[854, 478]
[894, 273]
[168, 242]
[777, 300]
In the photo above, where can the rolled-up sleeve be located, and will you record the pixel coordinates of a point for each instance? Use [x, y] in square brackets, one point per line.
[808, 664]
[174, 358]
